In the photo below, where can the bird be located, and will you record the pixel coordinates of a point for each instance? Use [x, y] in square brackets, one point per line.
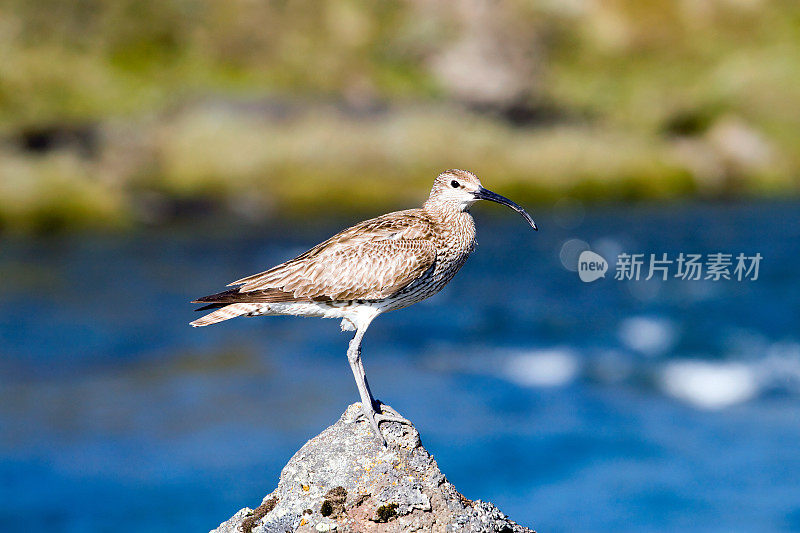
[378, 265]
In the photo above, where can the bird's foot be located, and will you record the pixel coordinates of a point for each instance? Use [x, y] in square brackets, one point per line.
[387, 414]
[380, 417]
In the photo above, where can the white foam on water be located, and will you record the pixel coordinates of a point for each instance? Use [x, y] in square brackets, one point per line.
[649, 336]
[709, 385]
[552, 367]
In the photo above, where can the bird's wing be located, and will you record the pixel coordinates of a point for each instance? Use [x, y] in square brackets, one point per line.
[363, 271]
[371, 260]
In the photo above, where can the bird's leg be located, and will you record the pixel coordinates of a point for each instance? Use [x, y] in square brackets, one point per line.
[371, 409]
[392, 416]
[367, 401]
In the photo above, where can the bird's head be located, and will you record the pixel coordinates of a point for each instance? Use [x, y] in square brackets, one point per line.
[458, 189]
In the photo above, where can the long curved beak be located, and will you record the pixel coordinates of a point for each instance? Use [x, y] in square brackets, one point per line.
[486, 194]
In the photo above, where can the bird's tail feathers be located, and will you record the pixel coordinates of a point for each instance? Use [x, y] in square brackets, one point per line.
[225, 313]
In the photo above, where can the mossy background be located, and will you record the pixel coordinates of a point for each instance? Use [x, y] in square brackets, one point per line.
[118, 114]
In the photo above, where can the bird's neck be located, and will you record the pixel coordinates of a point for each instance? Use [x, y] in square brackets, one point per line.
[441, 212]
[457, 225]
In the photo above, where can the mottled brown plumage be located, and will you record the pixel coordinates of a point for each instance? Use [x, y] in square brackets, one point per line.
[378, 265]
[371, 260]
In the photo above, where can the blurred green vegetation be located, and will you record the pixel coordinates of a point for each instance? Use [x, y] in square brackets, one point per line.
[127, 112]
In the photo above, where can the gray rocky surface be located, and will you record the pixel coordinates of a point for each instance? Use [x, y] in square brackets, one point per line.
[343, 480]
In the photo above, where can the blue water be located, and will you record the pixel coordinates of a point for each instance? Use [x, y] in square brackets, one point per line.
[612, 405]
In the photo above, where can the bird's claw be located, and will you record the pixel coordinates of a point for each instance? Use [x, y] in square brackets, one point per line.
[376, 418]
[380, 417]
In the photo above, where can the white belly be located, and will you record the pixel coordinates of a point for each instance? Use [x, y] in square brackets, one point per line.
[351, 313]
[313, 309]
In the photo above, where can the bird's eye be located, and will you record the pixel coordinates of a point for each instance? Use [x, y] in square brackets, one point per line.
[454, 184]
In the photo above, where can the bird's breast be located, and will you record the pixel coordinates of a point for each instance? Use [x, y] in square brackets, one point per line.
[456, 237]
[456, 240]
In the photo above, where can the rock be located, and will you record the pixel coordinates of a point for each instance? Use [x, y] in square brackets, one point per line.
[343, 480]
